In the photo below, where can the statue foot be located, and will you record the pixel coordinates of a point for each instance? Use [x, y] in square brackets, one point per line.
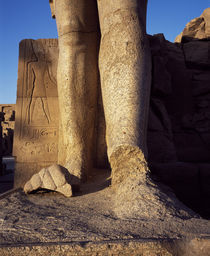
[136, 195]
[127, 161]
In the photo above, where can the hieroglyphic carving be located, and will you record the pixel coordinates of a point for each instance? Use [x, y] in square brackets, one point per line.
[36, 128]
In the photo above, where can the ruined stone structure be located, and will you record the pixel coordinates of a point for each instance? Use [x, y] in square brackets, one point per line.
[179, 119]
[7, 123]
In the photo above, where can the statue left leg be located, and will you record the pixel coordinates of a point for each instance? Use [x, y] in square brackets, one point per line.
[77, 79]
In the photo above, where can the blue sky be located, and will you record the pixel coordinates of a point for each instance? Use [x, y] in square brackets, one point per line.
[21, 19]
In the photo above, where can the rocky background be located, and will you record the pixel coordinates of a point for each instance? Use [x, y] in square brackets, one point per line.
[179, 120]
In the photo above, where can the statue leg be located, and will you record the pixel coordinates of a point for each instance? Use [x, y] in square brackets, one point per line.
[77, 79]
[125, 72]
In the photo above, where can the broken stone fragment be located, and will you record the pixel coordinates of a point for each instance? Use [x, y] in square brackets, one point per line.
[51, 178]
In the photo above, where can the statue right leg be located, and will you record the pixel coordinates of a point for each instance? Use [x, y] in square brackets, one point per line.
[77, 79]
[125, 73]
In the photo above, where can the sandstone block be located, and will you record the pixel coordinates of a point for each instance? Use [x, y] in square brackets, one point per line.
[36, 127]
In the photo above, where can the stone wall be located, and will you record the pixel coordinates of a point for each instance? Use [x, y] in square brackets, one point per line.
[179, 120]
[180, 102]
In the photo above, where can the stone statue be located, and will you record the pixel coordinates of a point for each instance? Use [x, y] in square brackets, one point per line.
[113, 34]
[106, 40]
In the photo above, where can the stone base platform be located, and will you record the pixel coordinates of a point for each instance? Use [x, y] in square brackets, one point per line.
[50, 224]
[150, 247]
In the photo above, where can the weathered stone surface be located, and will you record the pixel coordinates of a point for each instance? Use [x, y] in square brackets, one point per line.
[51, 178]
[100, 155]
[198, 28]
[188, 104]
[188, 247]
[125, 72]
[187, 108]
[78, 80]
[36, 127]
[125, 161]
[194, 29]
[206, 16]
[88, 224]
[138, 196]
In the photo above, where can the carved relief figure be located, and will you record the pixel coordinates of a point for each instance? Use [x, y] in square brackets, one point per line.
[37, 76]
